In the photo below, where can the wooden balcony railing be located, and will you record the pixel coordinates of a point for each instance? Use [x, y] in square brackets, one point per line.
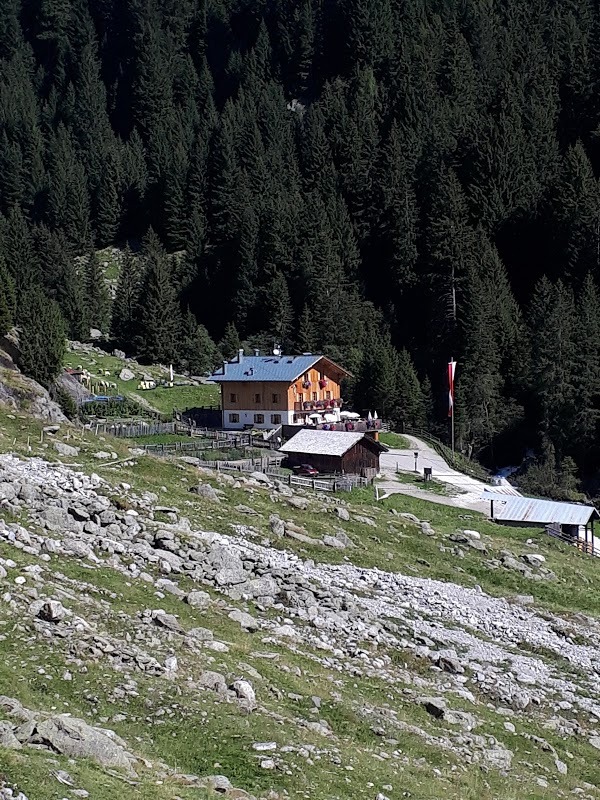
[319, 405]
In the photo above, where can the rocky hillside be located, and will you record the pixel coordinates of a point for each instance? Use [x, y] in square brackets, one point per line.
[168, 632]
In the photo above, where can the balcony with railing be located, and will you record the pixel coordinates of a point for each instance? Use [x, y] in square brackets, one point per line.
[318, 405]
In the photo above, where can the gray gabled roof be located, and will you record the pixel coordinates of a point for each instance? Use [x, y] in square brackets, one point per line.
[284, 369]
[325, 443]
[542, 512]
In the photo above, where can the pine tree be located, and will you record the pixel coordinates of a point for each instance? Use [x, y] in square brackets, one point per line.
[376, 386]
[159, 314]
[125, 310]
[230, 343]
[42, 338]
[71, 297]
[278, 310]
[7, 300]
[553, 363]
[19, 256]
[199, 353]
[97, 299]
[410, 409]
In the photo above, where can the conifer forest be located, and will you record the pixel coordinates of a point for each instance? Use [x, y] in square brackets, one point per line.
[391, 182]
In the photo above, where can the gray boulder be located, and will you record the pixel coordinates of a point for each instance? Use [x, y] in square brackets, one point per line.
[75, 738]
[8, 738]
[7, 492]
[214, 681]
[52, 611]
[247, 621]
[198, 599]
[65, 449]
[207, 492]
[277, 526]
[126, 374]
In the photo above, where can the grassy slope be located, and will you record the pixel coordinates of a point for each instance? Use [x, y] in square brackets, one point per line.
[161, 399]
[226, 735]
[395, 440]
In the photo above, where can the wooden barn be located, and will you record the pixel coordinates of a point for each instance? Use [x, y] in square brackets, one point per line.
[334, 451]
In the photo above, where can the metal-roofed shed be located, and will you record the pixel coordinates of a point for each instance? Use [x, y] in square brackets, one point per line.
[573, 521]
[334, 451]
[530, 511]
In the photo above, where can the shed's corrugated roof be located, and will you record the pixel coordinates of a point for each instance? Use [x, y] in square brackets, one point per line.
[544, 512]
[270, 368]
[322, 443]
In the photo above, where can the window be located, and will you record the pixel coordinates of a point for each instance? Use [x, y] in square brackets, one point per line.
[327, 395]
[234, 418]
[276, 419]
[257, 398]
[275, 399]
[315, 395]
[259, 419]
[300, 398]
[233, 398]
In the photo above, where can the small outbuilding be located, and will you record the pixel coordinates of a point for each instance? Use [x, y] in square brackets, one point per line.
[338, 452]
[572, 520]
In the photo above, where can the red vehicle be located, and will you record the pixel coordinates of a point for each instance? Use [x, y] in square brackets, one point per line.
[306, 469]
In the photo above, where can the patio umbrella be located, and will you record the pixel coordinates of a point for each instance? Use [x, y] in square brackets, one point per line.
[349, 415]
[369, 416]
[375, 416]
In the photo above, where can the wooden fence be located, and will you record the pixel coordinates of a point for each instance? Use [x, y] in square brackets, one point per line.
[270, 466]
[585, 545]
[129, 430]
[200, 444]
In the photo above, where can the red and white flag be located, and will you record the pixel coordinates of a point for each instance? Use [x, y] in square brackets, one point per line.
[451, 371]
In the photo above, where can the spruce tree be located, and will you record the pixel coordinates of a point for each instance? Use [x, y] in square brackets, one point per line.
[410, 409]
[199, 353]
[42, 338]
[230, 344]
[7, 299]
[97, 299]
[159, 314]
[125, 310]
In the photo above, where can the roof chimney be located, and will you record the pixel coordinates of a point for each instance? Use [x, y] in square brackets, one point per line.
[240, 355]
[224, 367]
[256, 352]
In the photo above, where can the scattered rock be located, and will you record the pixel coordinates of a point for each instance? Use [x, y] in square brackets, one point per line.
[65, 449]
[52, 611]
[247, 622]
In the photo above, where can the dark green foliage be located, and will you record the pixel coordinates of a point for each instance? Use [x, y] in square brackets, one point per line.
[67, 405]
[230, 344]
[97, 300]
[7, 300]
[366, 178]
[125, 312]
[199, 354]
[42, 337]
[159, 311]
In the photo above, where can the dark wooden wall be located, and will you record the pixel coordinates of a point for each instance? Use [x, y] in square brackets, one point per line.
[359, 457]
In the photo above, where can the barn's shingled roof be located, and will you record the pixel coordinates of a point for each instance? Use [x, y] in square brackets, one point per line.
[325, 443]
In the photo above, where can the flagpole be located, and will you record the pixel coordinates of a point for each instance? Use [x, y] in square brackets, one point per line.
[451, 370]
[452, 427]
